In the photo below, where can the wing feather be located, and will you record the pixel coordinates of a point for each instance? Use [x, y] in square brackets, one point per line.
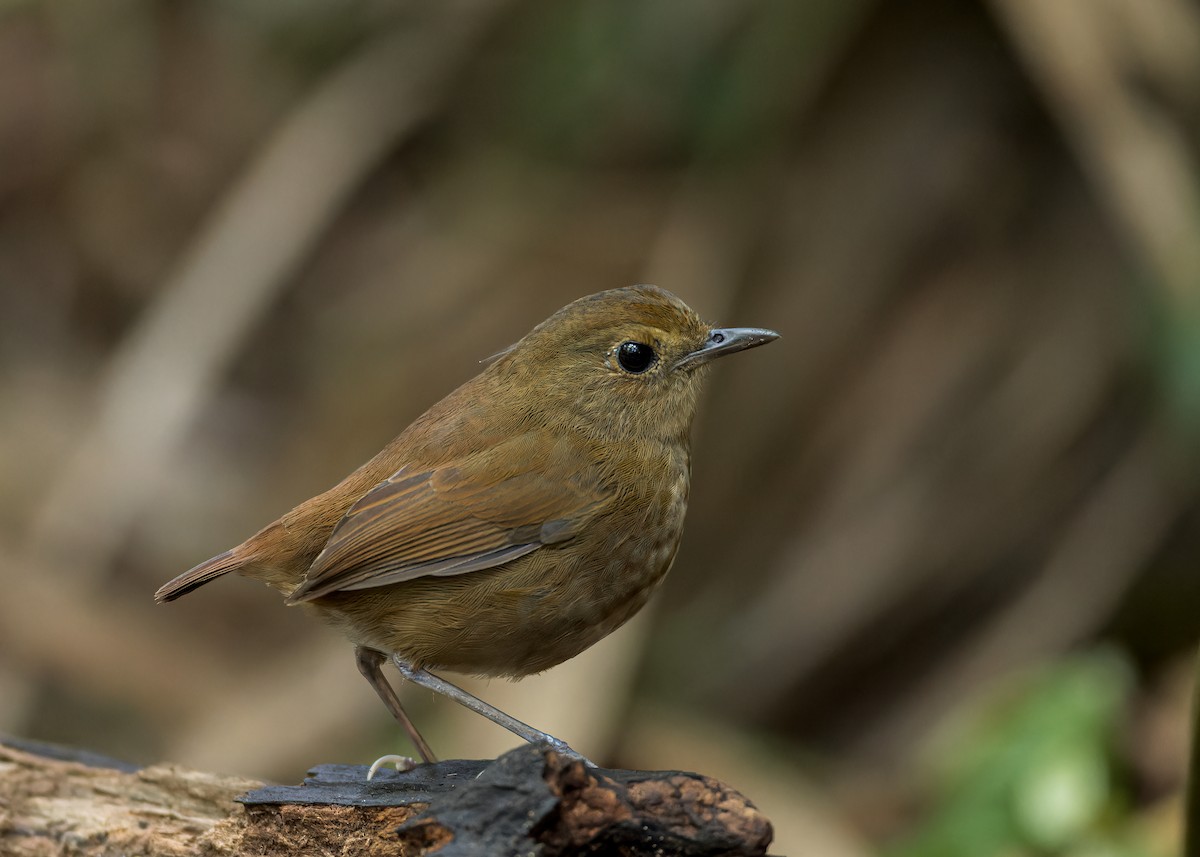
[474, 513]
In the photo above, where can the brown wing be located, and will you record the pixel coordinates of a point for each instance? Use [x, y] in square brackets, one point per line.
[471, 514]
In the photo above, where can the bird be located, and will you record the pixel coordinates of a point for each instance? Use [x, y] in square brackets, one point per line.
[518, 521]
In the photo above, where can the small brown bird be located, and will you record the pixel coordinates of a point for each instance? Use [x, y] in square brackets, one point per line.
[519, 520]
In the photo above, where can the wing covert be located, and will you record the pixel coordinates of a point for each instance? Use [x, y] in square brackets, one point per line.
[474, 513]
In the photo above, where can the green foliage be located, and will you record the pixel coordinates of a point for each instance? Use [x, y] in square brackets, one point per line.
[1177, 351]
[1031, 770]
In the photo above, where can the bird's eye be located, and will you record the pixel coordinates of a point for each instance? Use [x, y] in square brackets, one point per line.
[635, 357]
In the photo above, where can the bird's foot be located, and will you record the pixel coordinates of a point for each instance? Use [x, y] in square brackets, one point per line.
[563, 749]
[402, 763]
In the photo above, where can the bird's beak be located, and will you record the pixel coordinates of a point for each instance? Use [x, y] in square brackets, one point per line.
[726, 340]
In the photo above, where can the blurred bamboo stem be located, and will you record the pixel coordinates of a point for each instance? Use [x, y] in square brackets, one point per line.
[163, 374]
[1088, 61]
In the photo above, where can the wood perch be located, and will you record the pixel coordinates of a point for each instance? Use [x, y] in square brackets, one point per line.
[529, 801]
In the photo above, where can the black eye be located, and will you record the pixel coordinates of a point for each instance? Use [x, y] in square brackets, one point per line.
[635, 357]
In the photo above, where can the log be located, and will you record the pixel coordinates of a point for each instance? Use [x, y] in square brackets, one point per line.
[529, 801]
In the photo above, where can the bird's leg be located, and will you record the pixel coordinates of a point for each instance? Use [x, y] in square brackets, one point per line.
[369, 664]
[439, 685]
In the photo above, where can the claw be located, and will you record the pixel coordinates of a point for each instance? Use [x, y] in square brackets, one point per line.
[402, 763]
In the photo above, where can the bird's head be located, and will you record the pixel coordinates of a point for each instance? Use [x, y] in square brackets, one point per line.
[622, 363]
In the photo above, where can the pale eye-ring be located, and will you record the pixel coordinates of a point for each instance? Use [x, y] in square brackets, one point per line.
[636, 357]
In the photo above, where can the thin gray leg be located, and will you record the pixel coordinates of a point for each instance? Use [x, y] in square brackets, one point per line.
[439, 685]
[369, 661]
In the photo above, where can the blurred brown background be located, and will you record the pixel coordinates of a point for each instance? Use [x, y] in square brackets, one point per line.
[242, 244]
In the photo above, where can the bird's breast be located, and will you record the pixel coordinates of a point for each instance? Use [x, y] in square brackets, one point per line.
[634, 550]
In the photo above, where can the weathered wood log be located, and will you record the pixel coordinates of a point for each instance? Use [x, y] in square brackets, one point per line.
[529, 801]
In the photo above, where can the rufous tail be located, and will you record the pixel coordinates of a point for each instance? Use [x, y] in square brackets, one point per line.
[200, 575]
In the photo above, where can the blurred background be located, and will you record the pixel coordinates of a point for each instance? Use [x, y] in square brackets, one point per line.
[938, 589]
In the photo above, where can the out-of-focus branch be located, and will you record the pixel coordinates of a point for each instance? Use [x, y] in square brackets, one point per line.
[1093, 61]
[165, 371]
